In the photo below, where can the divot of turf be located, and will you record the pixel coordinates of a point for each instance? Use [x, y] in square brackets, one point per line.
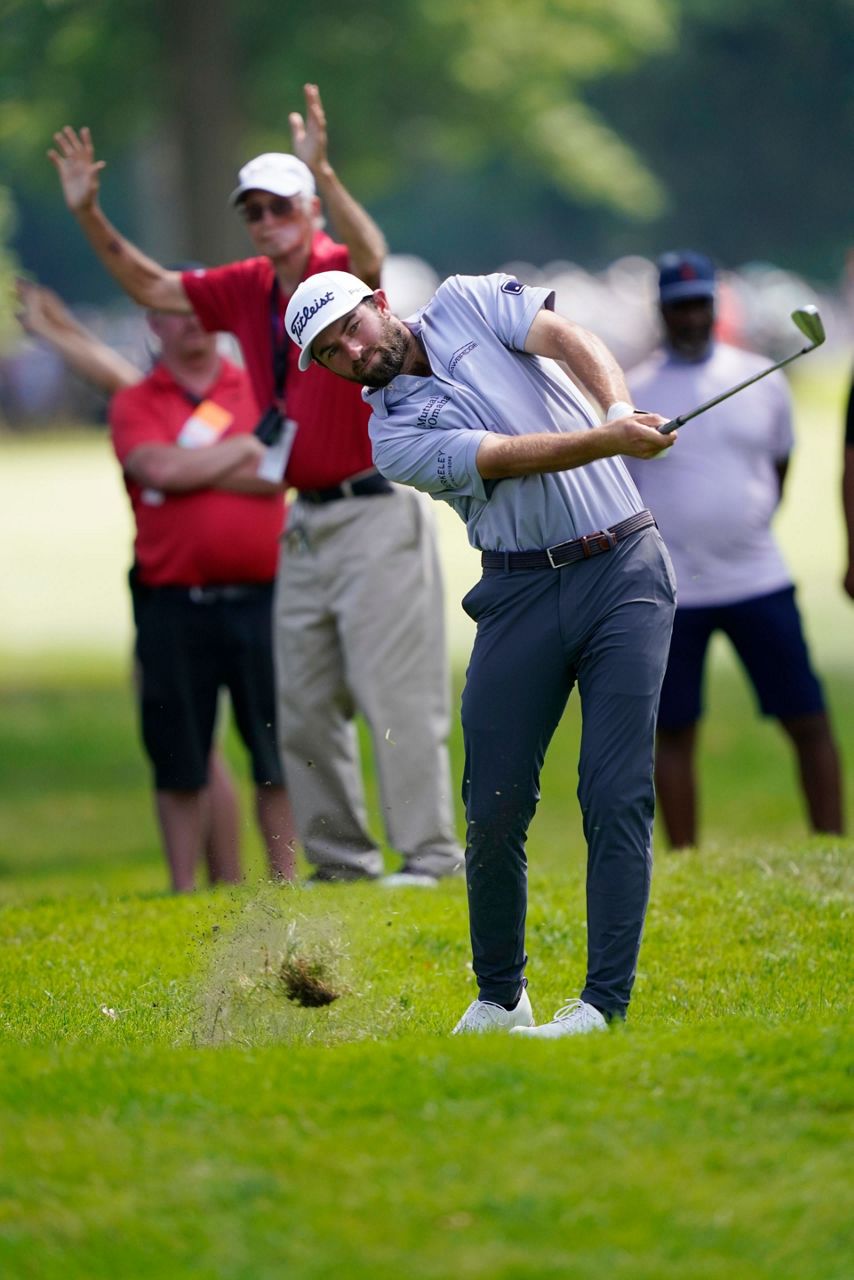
[273, 958]
[305, 982]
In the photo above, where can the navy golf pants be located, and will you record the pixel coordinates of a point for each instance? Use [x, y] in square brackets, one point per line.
[604, 623]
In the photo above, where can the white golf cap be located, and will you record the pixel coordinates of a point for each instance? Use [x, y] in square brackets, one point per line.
[320, 301]
[276, 172]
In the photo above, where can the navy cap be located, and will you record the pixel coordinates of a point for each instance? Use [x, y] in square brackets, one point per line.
[685, 275]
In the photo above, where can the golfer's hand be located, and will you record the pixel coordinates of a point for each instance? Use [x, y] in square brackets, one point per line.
[74, 161]
[637, 435]
[309, 135]
[42, 312]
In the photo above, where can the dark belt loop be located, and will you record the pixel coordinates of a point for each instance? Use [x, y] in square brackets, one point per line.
[506, 561]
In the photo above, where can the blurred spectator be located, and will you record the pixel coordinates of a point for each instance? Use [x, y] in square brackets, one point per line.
[207, 539]
[349, 638]
[714, 498]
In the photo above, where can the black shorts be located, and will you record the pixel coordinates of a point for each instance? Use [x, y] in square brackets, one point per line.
[767, 636]
[190, 644]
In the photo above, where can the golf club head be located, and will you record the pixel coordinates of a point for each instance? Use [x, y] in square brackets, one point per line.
[809, 322]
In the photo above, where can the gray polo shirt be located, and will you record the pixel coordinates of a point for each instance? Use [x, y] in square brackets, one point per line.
[426, 431]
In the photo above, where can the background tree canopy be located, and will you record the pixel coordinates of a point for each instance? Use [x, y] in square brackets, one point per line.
[477, 130]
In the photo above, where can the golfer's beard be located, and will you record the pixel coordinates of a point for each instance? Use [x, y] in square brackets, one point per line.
[391, 357]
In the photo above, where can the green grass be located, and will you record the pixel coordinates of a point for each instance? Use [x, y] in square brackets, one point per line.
[166, 1111]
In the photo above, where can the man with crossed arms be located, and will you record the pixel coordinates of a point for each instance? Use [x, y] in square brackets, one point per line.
[359, 607]
[470, 406]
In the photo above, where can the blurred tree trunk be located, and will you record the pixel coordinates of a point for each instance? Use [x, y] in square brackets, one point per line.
[205, 125]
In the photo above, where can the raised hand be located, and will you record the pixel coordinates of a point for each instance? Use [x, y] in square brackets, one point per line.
[309, 135]
[74, 161]
[42, 312]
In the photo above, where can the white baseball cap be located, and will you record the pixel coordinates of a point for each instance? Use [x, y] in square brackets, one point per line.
[276, 172]
[320, 301]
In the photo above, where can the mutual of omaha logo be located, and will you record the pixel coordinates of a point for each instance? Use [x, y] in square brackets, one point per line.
[302, 317]
[429, 415]
[458, 355]
[512, 286]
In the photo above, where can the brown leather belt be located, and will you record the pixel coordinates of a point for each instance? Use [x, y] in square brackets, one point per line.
[592, 544]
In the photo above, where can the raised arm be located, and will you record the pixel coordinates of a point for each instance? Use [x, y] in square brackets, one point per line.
[144, 280]
[592, 364]
[44, 315]
[585, 355]
[352, 224]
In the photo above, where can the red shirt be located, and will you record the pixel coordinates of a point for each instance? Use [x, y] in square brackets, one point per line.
[206, 536]
[332, 440]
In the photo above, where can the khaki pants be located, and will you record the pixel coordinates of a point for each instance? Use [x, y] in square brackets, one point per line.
[359, 627]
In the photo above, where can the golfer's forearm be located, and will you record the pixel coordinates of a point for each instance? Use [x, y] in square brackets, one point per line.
[586, 356]
[353, 226]
[596, 369]
[143, 279]
[500, 457]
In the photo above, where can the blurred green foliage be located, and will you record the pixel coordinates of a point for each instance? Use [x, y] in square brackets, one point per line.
[450, 81]
[7, 265]
[479, 131]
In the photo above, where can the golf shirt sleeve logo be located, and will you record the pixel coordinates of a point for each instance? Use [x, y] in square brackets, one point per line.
[512, 286]
[302, 317]
[445, 470]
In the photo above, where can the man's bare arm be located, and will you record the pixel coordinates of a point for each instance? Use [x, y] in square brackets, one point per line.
[44, 315]
[245, 479]
[173, 469]
[352, 224]
[585, 355]
[141, 277]
[848, 512]
[500, 457]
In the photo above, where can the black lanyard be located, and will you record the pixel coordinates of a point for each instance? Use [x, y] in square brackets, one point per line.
[279, 340]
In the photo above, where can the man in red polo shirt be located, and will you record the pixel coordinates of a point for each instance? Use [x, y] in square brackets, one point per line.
[359, 617]
[44, 316]
[207, 536]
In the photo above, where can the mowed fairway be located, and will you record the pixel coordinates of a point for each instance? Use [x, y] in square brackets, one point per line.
[166, 1110]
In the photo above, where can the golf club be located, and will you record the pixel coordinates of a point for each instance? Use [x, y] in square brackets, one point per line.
[808, 321]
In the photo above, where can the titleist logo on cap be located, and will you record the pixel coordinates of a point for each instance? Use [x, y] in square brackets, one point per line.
[302, 317]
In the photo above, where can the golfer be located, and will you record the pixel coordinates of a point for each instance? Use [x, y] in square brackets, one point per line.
[470, 406]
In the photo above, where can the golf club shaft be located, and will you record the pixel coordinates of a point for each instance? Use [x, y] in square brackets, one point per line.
[725, 395]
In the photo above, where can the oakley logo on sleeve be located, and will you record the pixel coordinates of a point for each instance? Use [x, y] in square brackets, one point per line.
[512, 286]
[445, 470]
[302, 317]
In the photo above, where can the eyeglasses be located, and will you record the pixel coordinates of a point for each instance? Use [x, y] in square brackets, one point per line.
[278, 206]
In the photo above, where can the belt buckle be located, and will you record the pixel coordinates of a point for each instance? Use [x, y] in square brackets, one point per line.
[549, 553]
[593, 543]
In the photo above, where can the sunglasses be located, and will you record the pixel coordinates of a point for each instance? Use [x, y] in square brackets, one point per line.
[279, 206]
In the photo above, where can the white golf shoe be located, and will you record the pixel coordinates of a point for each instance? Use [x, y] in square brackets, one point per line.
[481, 1015]
[574, 1019]
[409, 880]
